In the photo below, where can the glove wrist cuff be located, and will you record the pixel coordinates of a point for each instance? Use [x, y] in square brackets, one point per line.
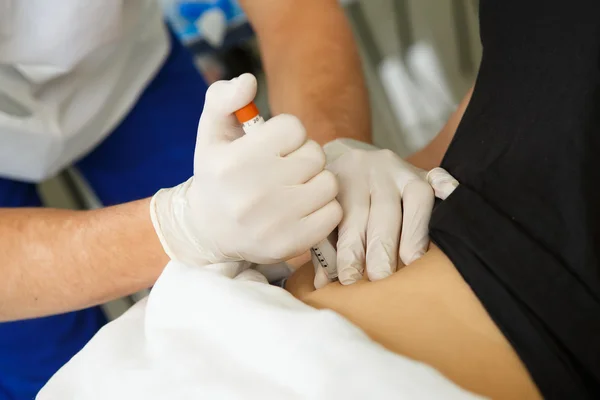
[170, 215]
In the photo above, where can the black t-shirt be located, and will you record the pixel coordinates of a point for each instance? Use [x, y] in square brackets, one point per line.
[523, 228]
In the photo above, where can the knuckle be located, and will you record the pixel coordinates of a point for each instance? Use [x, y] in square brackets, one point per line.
[387, 154]
[215, 90]
[357, 153]
[292, 125]
[348, 164]
[330, 183]
[421, 188]
[316, 154]
[356, 158]
[337, 213]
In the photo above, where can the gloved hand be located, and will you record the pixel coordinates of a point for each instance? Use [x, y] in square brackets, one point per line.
[442, 182]
[263, 197]
[387, 205]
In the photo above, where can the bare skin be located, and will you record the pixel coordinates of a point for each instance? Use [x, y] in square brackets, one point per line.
[313, 67]
[55, 261]
[427, 312]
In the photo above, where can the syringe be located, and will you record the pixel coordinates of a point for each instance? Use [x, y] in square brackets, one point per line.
[323, 254]
[249, 117]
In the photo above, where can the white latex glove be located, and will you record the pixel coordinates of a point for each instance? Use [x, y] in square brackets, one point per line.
[387, 205]
[442, 182]
[263, 197]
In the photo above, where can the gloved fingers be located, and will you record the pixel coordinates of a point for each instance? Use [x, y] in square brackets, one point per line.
[321, 279]
[218, 123]
[251, 275]
[383, 230]
[292, 171]
[315, 194]
[316, 227]
[442, 182]
[417, 202]
[281, 135]
[355, 201]
[307, 161]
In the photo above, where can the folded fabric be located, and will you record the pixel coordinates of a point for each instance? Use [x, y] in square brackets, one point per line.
[201, 334]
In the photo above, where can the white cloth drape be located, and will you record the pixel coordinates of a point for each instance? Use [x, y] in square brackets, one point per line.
[201, 335]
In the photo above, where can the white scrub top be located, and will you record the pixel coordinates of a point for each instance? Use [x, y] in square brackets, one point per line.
[70, 71]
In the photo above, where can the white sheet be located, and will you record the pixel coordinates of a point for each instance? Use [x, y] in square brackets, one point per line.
[201, 335]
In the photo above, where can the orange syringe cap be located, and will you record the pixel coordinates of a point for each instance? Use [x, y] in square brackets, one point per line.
[247, 113]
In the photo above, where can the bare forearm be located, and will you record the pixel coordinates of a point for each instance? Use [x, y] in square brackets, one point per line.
[55, 261]
[312, 65]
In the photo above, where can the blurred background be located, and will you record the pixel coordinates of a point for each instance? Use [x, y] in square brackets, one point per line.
[419, 57]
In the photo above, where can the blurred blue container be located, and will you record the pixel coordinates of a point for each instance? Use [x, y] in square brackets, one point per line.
[208, 20]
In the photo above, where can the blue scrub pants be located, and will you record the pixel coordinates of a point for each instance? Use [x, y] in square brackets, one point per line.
[151, 149]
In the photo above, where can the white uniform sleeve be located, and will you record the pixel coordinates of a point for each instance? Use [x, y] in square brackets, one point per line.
[202, 335]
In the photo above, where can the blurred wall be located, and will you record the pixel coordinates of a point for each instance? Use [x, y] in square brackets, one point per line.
[434, 22]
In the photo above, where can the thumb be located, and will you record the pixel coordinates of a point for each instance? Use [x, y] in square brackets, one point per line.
[442, 182]
[223, 98]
